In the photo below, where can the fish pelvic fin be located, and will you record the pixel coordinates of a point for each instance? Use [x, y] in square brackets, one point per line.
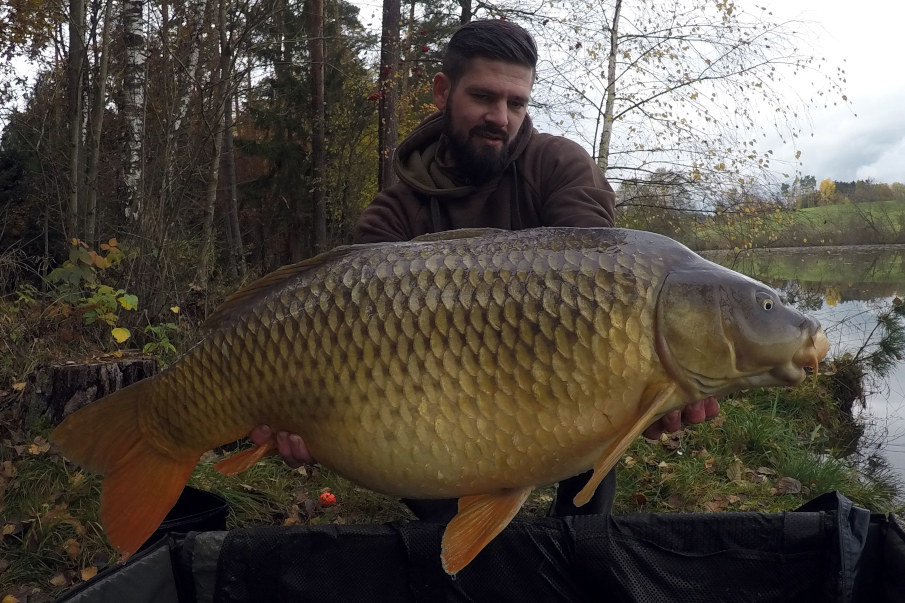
[141, 482]
[480, 518]
[244, 459]
[611, 455]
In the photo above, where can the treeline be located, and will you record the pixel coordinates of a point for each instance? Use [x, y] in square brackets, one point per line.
[807, 193]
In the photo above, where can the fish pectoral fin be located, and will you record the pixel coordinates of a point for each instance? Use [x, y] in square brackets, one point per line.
[479, 520]
[611, 454]
[244, 459]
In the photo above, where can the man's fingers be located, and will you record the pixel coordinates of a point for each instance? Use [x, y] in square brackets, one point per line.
[711, 407]
[260, 434]
[693, 413]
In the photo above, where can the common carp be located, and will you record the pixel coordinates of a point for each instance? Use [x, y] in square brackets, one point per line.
[475, 364]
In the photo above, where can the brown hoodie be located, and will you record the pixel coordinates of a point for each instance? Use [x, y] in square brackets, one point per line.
[550, 181]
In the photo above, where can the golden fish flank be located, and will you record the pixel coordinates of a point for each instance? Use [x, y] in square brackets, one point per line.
[473, 364]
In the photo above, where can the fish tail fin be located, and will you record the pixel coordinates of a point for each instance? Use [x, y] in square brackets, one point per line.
[141, 482]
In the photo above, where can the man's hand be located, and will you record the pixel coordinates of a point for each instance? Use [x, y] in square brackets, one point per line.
[695, 412]
[291, 446]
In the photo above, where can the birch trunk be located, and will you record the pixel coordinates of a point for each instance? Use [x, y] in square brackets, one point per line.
[603, 151]
[134, 77]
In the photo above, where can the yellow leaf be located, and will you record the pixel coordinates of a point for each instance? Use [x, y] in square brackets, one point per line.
[120, 334]
[39, 446]
[89, 572]
[174, 309]
[9, 599]
[8, 529]
[58, 580]
[19, 386]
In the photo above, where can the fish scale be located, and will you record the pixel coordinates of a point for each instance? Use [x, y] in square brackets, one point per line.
[475, 364]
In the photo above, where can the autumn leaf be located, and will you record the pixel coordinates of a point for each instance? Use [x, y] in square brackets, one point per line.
[58, 580]
[788, 485]
[89, 572]
[128, 301]
[174, 309]
[716, 505]
[120, 334]
[734, 471]
[39, 446]
[9, 599]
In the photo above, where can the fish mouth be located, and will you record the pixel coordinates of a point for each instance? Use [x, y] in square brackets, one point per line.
[810, 354]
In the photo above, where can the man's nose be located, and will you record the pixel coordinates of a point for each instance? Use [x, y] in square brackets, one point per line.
[497, 114]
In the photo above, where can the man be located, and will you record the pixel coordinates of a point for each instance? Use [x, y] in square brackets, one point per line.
[479, 162]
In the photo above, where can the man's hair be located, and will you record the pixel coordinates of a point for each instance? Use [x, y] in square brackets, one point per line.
[494, 39]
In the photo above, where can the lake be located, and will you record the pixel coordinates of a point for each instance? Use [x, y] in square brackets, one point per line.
[844, 288]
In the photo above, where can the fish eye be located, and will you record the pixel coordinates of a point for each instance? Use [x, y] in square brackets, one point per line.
[766, 303]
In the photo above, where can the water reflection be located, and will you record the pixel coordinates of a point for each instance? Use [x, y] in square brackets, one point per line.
[845, 288]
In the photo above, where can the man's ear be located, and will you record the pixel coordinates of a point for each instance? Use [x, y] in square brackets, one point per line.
[441, 88]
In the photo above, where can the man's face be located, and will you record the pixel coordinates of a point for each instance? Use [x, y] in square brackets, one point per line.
[484, 112]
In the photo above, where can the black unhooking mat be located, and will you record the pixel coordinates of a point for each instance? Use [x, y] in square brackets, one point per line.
[826, 551]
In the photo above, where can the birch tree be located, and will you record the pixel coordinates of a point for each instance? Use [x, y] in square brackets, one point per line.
[133, 110]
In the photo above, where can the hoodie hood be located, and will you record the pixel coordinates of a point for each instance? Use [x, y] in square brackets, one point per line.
[420, 163]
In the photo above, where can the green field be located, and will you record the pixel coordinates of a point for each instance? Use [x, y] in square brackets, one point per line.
[878, 222]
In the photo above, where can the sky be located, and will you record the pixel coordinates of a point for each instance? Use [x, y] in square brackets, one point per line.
[866, 138]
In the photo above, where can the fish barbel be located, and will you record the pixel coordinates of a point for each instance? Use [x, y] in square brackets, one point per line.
[473, 364]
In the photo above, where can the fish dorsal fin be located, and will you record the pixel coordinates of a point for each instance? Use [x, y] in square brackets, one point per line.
[611, 455]
[461, 233]
[237, 304]
[479, 520]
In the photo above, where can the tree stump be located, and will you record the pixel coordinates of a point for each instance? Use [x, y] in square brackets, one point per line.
[59, 390]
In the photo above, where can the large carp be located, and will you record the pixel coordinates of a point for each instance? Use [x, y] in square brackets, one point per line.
[472, 364]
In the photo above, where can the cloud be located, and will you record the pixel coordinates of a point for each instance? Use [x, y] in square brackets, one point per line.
[849, 147]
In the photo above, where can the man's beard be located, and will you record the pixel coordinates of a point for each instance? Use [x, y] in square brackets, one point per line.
[478, 162]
